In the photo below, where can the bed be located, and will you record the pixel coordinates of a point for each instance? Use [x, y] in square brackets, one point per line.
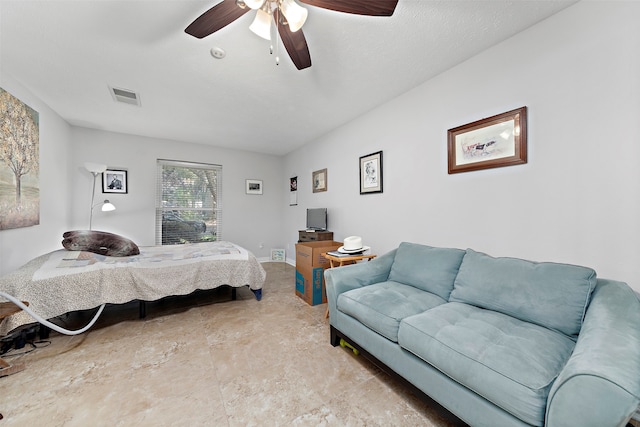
[64, 281]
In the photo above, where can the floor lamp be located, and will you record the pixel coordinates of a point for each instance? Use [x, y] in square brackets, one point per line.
[96, 169]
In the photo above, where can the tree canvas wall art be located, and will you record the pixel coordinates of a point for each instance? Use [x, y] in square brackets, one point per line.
[19, 163]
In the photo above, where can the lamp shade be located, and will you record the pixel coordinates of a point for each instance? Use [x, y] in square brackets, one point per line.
[95, 167]
[261, 25]
[108, 206]
[296, 15]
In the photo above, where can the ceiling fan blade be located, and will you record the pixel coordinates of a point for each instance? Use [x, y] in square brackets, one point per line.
[295, 43]
[357, 7]
[219, 16]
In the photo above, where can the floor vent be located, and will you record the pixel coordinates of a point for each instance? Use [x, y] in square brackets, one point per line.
[124, 95]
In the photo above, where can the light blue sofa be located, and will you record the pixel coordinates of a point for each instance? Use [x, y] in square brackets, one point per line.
[495, 341]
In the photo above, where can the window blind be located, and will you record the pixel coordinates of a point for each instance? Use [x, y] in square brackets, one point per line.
[188, 202]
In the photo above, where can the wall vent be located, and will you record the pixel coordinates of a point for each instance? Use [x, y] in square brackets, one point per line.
[124, 95]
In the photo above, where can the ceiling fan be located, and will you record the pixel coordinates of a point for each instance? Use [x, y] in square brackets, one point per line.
[288, 17]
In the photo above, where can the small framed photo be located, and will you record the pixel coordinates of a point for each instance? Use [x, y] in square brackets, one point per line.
[278, 255]
[319, 180]
[114, 181]
[493, 142]
[371, 173]
[254, 186]
[293, 191]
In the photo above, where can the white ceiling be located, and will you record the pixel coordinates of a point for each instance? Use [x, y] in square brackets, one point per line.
[68, 52]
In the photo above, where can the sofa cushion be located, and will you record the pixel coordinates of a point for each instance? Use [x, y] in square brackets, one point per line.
[427, 268]
[507, 361]
[547, 294]
[382, 306]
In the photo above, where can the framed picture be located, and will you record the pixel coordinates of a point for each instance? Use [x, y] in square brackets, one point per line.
[278, 255]
[493, 142]
[19, 150]
[371, 173]
[254, 186]
[114, 181]
[293, 191]
[319, 180]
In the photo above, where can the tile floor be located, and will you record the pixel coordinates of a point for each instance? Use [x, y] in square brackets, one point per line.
[203, 360]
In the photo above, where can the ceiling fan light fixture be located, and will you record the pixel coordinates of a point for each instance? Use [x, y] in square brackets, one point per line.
[261, 25]
[287, 13]
[296, 15]
[254, 4]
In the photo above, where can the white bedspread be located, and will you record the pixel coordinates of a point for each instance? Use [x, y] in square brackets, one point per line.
[64, 281]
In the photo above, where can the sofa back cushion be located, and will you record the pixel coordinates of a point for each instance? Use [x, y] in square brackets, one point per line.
[548, 294]
[427, 268]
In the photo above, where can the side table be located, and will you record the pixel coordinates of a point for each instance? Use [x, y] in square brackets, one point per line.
[6, 310]
[339, 261]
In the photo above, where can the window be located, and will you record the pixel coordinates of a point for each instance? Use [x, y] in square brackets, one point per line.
[188, 202]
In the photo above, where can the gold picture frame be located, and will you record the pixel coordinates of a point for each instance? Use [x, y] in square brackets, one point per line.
[319, 180]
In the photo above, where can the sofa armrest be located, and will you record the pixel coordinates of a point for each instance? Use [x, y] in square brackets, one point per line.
[342, 279]
[600, 384]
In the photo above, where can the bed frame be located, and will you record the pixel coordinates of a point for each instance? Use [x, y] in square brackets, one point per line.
[64, 281]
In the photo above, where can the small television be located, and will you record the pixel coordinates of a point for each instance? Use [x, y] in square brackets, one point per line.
[317, 219]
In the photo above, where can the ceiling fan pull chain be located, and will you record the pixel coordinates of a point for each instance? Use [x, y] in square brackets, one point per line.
[277, 21]
[273, 32]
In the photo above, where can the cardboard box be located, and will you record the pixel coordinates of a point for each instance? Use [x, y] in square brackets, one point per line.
[310, 266]
[310, 285]
[308, 253]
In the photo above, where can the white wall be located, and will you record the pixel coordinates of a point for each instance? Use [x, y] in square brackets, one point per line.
[18, 246]
[248, 220]
[577, 200]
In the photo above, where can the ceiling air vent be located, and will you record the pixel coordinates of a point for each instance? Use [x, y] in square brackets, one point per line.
[124, 95]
